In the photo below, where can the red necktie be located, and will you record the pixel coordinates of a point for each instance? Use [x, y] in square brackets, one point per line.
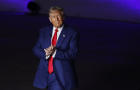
[54, 40]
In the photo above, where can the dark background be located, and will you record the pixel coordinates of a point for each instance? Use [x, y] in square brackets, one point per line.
[123, 10]
[108, 58]
[109, 44]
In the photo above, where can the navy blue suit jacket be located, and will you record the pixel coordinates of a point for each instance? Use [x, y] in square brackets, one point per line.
[67, 48]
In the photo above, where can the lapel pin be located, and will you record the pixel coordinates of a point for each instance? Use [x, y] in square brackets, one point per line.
[64, 35]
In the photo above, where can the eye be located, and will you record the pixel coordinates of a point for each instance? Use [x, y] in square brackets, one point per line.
[59, 17]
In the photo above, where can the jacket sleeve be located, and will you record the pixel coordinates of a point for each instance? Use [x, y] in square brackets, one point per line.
[71, 52]
[37, 49]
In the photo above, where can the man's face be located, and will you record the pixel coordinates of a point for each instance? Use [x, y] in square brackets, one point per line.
[56, 18]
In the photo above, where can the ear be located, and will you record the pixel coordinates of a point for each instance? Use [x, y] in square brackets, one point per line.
[63, 17]
[50, 19]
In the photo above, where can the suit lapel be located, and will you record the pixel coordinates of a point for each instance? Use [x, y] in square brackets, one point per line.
[61, 37]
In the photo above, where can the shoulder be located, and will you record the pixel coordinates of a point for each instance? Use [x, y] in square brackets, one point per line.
[45, 29]
[73, 31]
[70, 29]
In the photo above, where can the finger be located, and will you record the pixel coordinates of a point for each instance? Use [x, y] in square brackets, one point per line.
[54, 47]
[45, 50]
[51, 47]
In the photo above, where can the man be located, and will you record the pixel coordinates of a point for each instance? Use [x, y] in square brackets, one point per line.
[56, 47]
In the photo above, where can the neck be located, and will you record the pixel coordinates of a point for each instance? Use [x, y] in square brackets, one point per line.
[59, 26]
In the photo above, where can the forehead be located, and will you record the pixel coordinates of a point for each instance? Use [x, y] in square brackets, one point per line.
[55, 12]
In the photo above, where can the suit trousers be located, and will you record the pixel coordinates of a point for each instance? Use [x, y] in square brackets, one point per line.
[53, 83]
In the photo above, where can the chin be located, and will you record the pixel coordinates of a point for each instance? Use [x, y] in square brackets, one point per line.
[58, 26]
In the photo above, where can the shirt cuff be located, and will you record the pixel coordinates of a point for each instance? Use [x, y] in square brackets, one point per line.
[54, 53]
[47, 57]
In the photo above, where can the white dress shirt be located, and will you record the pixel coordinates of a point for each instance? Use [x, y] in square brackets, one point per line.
[58, 34]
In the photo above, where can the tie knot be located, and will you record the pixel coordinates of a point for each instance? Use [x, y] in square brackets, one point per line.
[56, 30]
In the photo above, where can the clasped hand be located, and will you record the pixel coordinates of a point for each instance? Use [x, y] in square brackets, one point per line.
[50, 50]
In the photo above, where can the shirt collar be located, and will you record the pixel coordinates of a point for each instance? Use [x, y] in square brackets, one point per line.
[59, 29]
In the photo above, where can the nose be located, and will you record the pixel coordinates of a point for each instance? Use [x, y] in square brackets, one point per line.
[57, 19]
